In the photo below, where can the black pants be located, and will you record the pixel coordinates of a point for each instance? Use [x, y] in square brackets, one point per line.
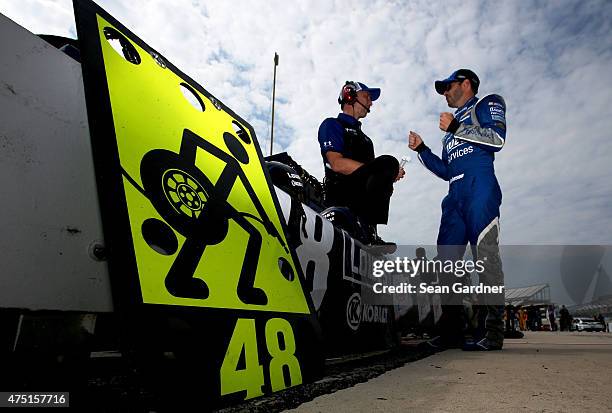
[367, 191]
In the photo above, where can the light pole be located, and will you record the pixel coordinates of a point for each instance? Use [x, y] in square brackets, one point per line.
[273, 98]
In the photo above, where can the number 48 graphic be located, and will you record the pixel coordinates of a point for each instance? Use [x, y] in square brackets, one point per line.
[251, 377]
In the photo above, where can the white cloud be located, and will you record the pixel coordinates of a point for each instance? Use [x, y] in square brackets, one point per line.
[548, 63]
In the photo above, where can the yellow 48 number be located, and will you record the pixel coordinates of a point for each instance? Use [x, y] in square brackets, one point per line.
[251, 377]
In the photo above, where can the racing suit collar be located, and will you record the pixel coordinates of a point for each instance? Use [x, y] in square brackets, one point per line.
[349, 120]
[467, 104]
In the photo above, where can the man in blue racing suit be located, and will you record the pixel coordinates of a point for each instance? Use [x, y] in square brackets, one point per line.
[470, 211]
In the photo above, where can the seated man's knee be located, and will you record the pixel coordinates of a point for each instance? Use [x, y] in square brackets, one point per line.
[388, 166]
[390, 161]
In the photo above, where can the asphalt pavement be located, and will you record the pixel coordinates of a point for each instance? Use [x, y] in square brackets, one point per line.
[543, 372]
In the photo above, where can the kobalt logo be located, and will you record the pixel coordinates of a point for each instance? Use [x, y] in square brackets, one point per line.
[353, 311]
[356, 312]
[373, 313]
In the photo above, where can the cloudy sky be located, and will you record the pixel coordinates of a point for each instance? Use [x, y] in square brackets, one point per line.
[551, 61]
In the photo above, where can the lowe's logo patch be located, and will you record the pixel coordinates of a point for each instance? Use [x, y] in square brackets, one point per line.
[453, 143]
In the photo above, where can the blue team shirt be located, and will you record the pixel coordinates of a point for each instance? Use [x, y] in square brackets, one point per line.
[331, 133]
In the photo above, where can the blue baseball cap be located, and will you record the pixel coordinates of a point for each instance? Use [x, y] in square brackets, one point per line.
[358, 86]
[458, 75]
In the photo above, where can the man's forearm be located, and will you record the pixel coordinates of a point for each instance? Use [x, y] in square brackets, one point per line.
[432, 162]
[345, 166]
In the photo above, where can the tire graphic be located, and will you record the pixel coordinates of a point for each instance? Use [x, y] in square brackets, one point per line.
[186, 195]
[181, 194]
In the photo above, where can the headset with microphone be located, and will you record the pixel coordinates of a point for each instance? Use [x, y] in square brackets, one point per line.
[348, 95]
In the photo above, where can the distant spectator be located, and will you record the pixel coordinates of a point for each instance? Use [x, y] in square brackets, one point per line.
[538, 318]
[533, 318]
[522, 319]
[507, 317]
[551, 317]
[564, 318]
[602, 320]
[530, 319]
[512, 316]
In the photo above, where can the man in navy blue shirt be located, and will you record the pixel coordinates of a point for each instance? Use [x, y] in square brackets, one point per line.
[354, 177]
[470, 211]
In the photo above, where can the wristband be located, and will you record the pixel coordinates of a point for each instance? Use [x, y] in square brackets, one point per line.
[421, 147]
[454, 125]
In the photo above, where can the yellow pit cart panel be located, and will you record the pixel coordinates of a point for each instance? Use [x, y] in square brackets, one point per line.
[205, 228]
[198, 251]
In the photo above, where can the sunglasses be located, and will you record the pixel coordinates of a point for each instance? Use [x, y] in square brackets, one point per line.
[450, 84]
